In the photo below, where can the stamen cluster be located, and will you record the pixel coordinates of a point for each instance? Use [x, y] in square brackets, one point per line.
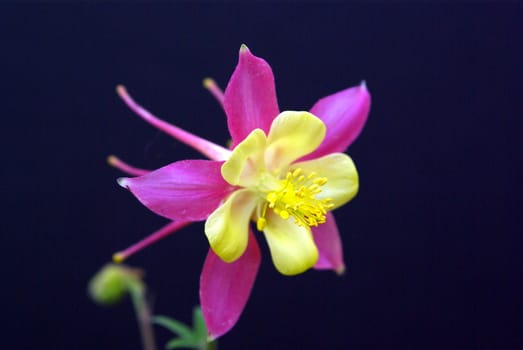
[296, 197]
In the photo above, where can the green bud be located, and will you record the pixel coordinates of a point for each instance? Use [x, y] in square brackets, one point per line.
[110, 285]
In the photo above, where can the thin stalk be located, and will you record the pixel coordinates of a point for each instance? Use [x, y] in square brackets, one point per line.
[143, 315]
[210, 346]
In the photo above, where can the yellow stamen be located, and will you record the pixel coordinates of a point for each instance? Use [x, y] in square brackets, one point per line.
[297, 198]
[261, 222]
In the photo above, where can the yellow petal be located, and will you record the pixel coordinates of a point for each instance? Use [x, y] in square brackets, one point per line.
[342, 177]
[246, 160]
[292, 135]
[292, 247]
[227, 227]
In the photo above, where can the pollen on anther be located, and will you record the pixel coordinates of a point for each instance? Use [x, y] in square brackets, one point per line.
[260, 223]
[297, 198]
[271, 198]
[320, 181]
[284, 214]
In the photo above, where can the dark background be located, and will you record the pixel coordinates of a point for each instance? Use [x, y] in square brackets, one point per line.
[432, 243]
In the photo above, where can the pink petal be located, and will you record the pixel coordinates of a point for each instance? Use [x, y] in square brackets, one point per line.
[344, 113]
[225, 288]
[328, 241]
[188, 190]
[250, 97]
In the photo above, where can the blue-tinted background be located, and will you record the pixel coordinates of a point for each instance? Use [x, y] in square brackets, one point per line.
[432, 242]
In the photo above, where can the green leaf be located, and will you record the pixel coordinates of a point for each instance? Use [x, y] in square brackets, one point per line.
[174, 326]
[198, 323]
[196, 338]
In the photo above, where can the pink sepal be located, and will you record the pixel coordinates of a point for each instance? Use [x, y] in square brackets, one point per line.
[344, 113]
[225, 288]
[250, 97]
[188, 190]
[328, 241]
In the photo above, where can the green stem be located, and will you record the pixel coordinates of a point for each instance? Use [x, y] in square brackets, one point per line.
[143, 315]
[208, 346]
[212, 346]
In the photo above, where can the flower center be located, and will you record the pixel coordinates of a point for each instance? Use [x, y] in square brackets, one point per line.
[296, 197]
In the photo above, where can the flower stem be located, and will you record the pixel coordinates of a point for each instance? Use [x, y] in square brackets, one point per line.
[213, 345]
[143, 315]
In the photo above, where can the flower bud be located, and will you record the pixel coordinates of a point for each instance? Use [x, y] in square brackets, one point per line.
[110, 285]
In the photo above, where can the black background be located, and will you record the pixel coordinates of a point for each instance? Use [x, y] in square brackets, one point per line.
[432, 242]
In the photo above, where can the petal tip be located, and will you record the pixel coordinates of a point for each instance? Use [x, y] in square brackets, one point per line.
[123, 182]
[118, 257]
[207, 82]
[340, 270]
[112, 160]
[363, 85]
[244, 49]
[121, 90]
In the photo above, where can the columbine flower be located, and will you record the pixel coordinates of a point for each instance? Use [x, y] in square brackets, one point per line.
[285, 173]
[284, 198]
